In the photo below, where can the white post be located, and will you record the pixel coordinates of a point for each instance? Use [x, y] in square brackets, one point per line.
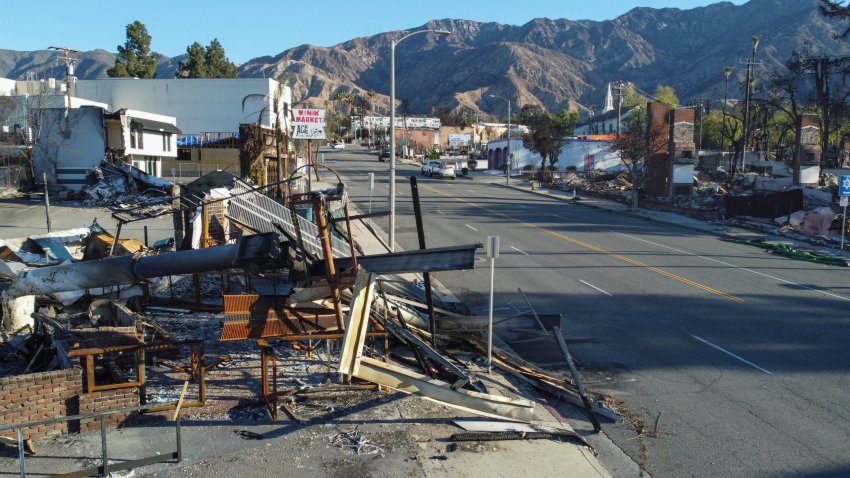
[492, 254]
[843, 223]
[371, 187]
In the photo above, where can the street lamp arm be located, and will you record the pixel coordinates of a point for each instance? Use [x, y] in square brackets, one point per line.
[430, 30]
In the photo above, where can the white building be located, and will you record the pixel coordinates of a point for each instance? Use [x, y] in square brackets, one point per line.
[200, 105]
[145, 138]
[70, 143]
[581, 153]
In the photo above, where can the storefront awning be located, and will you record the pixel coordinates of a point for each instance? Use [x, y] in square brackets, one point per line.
[151, 125]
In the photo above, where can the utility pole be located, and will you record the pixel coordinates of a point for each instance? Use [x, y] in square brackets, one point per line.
[750, 78]
[701, 108]
[69, 70]
[619, 105]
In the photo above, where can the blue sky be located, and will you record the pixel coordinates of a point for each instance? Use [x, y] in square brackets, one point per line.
[251, 28]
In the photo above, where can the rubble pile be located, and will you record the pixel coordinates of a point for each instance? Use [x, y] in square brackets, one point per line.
[206, 329]
[817, 220]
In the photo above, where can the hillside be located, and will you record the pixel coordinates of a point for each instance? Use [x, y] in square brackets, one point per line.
[556, 63]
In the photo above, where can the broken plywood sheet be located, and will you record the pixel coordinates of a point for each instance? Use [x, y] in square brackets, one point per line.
[353, 363]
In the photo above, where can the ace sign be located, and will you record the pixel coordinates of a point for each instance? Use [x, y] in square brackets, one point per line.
[308, 123]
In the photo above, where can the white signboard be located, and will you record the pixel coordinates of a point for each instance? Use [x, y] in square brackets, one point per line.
[459, 140]
[308, 123]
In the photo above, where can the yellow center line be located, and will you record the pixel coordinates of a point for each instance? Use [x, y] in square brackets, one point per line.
[591, 247]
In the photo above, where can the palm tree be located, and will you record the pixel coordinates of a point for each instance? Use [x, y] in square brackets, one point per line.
[273, 101]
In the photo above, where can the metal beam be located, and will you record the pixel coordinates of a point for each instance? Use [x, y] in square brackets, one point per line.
[428, 260]
[403, 380]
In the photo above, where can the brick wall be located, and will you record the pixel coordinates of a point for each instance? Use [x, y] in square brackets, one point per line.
[107, 400]
[37, 396]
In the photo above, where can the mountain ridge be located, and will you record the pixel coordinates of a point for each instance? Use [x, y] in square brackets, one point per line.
[556, 63]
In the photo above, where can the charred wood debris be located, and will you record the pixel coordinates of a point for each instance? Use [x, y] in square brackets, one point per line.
[756, 200]
[263, 276]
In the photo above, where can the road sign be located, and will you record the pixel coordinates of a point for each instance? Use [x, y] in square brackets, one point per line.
[843, 201]
[844, 186]
[308, 123]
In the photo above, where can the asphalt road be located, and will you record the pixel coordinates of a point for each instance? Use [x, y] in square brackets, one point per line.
[739, 358]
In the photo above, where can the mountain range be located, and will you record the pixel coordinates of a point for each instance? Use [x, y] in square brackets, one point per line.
[556, 63]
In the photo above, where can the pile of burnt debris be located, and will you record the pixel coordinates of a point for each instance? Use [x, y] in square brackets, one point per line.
[260, 276]
[757, 200]
[115, 184]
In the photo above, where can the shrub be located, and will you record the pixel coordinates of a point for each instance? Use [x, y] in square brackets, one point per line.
[472, 164]
[571, 168]
[528, 167]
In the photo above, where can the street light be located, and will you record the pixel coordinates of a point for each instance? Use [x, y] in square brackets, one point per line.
[508, 170]
[392, 126]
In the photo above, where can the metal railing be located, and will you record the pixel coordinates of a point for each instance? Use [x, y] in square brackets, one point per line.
[105, 468]
[261, 213]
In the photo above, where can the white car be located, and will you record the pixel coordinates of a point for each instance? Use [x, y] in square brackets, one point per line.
[336, 145]
[436, 168]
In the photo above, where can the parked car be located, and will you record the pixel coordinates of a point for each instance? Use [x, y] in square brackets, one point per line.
[384, 154]
[336, 145]
[433, 167]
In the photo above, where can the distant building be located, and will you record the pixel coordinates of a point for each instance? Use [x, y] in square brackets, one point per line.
[603, 123]
[201, 105]
[210, 112]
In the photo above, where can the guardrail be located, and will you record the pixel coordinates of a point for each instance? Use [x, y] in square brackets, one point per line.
[105, 467]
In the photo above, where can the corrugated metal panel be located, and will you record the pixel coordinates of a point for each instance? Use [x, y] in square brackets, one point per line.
[250, 316]
[260, 212]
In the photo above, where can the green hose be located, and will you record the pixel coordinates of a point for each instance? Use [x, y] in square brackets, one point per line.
[793, 252]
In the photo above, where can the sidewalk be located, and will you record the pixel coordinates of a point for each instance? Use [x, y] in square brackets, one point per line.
[667, 217]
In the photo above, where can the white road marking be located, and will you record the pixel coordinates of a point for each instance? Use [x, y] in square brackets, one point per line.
[561, 217]
[706, 342]
[26, 209]
[736, 267]
[471, 191]
[597, 288]
[440, 212]
[467, 225]
[520, 205]
[487, 195]
[521, 252]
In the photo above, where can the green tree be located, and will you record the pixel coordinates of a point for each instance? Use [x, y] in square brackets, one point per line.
[218, 66]
[667, 95]
[135, 58]
[631, 97]
[545, 133]
[711, 129]
[209, 62]
[566, 121]
[195, 65]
